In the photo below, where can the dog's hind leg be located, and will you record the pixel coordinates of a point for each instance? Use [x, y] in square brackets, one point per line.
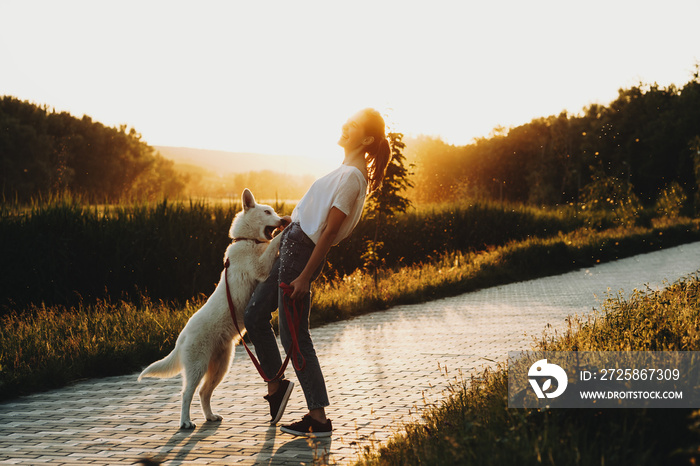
[218, 366]
[193, 376]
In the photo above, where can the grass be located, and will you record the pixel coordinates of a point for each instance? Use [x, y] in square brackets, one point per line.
[62, 251]
[429, 230]
[452, 273]
[65, 252]
[49, 346]
[474, 425]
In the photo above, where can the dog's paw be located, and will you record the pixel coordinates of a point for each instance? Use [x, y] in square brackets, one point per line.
[214, 418]
[187, 425]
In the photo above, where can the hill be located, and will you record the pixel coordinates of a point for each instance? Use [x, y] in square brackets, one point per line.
[223, 163]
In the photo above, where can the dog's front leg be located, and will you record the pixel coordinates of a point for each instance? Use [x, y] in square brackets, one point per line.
[273, 248]
[267, 259]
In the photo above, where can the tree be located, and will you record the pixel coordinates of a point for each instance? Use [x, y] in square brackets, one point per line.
[695, 151]
[44, 152]
[389, 199]
[641, 137]
[386, 202]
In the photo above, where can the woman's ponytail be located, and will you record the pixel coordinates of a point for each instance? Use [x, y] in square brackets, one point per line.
[378, 154]
[377, 162]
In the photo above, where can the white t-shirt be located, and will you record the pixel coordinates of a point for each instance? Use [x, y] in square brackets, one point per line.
[344, 188]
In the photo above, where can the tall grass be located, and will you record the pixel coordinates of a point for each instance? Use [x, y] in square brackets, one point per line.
[454, 272]
[62, 251]
[474, 425]
[430, 230]
[65, 252]
[47, 347]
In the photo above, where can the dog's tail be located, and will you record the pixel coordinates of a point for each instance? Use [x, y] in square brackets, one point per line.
[167, 367]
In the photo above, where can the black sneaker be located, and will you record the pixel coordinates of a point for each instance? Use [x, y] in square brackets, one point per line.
[278, 400]
[309, 427]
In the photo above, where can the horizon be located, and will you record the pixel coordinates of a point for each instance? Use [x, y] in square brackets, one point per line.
[282, 80]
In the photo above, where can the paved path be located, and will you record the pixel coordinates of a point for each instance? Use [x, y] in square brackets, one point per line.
[379, 368]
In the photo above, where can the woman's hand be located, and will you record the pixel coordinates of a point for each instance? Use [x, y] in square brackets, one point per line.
[301, 287]
[286, 220]
[302, 284]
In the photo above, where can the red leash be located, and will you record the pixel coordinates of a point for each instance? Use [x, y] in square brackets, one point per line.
[293, 321]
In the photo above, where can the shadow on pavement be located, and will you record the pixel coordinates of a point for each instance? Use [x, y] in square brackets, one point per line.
[178, 455]
[302, 451]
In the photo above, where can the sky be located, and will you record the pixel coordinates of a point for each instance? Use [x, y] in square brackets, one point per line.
[280, 77]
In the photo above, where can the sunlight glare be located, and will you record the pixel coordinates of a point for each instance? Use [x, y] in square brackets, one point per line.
[280, 77]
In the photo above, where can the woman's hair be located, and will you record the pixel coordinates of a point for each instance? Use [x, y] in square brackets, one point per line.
[378, 154]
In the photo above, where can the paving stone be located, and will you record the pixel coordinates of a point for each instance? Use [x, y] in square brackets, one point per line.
[381, 369]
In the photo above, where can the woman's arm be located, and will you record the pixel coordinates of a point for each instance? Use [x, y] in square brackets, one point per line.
[302, 283]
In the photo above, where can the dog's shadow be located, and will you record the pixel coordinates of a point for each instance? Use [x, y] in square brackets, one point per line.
[178, 455]
[301, 450]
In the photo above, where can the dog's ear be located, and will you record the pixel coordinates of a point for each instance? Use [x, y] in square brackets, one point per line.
[247, 199]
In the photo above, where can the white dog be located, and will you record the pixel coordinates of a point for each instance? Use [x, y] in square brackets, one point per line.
[204, 347]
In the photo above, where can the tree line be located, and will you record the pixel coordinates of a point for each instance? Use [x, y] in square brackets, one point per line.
[44, 152]
[647, 141]
[642, 148]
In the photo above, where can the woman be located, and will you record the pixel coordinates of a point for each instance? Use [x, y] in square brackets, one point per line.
[326, 215]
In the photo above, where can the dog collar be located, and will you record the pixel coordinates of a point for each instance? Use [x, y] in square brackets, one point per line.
[257, 241]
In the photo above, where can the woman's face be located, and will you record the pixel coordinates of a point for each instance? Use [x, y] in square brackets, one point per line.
[353, 135]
